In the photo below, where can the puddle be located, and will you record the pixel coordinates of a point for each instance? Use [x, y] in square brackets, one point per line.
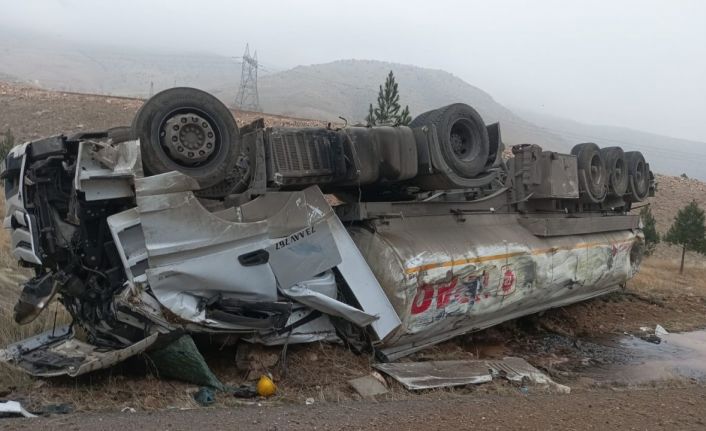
[636, 361]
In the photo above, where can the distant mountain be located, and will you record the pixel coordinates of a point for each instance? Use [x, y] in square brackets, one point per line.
[59, 65]
[347, 87]
[324, 91]
[665, 154]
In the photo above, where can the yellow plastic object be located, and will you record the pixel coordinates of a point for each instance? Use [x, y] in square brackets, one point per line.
[266, 387]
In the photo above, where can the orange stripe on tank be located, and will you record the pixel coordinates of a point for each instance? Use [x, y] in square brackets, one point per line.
[480, 259]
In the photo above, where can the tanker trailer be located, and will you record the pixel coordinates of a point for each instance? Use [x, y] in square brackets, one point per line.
[393, 237]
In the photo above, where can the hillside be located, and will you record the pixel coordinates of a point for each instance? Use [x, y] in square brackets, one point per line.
[346, 88]
[59, 65]
[322, 91]
[326, 91]
[32, 113]
[666, 154]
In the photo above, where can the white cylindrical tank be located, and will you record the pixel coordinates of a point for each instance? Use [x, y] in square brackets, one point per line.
[446, 275]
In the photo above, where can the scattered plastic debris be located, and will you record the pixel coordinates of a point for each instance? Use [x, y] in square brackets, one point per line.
[128, 410]
[660, 331]
[205, 396]
[653, 337]
[309, 401]
[13, 408]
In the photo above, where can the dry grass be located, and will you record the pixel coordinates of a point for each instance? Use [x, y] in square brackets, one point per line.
[661, 276]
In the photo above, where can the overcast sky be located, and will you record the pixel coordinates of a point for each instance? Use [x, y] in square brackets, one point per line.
[640, 64]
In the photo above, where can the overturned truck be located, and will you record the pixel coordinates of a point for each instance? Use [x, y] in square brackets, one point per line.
[390, 237]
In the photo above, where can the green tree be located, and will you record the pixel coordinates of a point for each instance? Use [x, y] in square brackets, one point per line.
[688, 231]
[388, 109]
[649, 229]
[7, 141]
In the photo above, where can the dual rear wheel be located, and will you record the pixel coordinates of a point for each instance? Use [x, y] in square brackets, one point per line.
[611, 172]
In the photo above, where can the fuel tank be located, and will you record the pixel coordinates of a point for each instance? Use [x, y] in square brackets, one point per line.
[446, 276]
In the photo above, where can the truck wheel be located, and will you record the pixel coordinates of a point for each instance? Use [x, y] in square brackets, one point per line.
[421, 119]
[614, 159]
[593, 181]
[190, 131]
[463, 138]
[639, 174]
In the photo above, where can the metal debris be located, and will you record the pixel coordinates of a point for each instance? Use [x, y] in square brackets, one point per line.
[439, 374]
[518, 370]
[9, 408]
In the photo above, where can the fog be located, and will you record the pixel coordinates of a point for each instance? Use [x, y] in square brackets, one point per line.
[638, 64]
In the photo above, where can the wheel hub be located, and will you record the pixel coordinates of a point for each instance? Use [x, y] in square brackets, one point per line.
[189, 137]
[458, 145]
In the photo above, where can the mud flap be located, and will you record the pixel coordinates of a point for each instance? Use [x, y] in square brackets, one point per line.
[57, 353]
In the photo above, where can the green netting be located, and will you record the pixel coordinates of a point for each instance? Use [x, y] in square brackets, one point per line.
[181, 360]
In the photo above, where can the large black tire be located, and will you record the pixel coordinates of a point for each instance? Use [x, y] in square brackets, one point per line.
[614, 159]
[594, 180]
[421, 119]
[463, 138]
[639, 176]
[190, 131]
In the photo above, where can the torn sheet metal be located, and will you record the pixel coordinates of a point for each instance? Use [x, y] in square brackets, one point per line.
[305, 324]
[23, 238]
[168, 182]
[56, 353]
[364, 285]
[105, 171]
[437, 374]
[129, 240]
[330, 306]
[14, 408]
[519, 370]
[196, 257]
[316, 327]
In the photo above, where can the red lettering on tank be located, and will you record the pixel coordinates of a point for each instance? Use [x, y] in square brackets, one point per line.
[508, 285]
[422, 300]
[444, 293]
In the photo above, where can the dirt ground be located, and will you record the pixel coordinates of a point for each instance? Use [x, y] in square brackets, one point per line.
[561, 342]
[655, 409]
